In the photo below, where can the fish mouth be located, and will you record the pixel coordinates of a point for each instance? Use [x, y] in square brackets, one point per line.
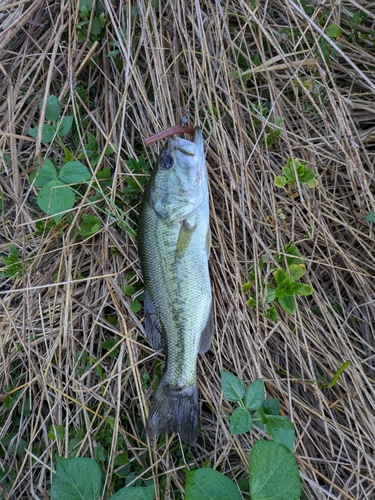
[190, 148]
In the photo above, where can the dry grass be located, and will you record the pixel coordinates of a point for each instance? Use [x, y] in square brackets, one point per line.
[55, 318]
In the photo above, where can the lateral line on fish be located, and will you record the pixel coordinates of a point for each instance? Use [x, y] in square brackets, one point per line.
[176, 129]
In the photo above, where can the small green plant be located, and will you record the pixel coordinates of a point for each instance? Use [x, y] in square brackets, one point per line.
[56, 196]
[284, 286]
[296, 169]
[98, 21]
[14, 264]
[60, 126]
[133, 285]
[273, 471]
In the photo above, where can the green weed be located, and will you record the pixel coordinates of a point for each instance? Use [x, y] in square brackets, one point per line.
[296, 170]
[14, 264]
[284, 286]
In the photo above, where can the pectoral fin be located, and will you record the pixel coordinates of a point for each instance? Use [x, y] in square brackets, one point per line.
[207, 333]
[184, 238]
[152, 325]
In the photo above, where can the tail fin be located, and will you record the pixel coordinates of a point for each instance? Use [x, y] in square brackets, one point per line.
[175, 410]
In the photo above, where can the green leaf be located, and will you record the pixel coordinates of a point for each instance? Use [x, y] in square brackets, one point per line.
[255, 395]
[333, 31]
[280, 276]
[272, 314]
[271, 406]
[289, 174]
[134, 493]
[271, 295]
[281, 429]
[240, 421]
[89, 225]
[65, 125]
[74, 172]
[280, 292]
[209, 484]
[56, 197]
[48, 133]
[53, 108]
[288, 303]
[370, 216]
[273, 472]
[280, 181]
[85, 4]
[76, 479]
[135, 306]
[57, 432]
[95, 28]
[233, 388]
[128, 290]
[40, 176]
[301, 289]
[307, 176]
[296, 271]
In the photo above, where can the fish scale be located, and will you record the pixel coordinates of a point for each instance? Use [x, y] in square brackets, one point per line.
[174, 240]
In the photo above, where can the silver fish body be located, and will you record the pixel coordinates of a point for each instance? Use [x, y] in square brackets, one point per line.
[174, 243]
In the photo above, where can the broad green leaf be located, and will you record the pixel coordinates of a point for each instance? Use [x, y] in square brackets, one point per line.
[128, 290]
[296, 271]
[280, 181]
[333, 31]
[40, 176]
[271, 406]
[74, 172]
[104, 174]
[313, 183]
[76, 479]
[271, 295]
[89, 225]
[135, 306]
[233, 388]
[289, 173]
[87, 4]
[280, 292]
[370, 216]
[95, 27]
[48, 133]
[273, 472]
[240, 421]
[301, 289]
[288, 303]
[56, 197]
[255, 395]
[307, 176]
[134, 493]
[280, 276]
[57, 432]
[65, 125]
[53, 108]
[209, 484]
[281, 429]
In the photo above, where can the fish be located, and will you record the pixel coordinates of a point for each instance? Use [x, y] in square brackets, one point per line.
[174, 241]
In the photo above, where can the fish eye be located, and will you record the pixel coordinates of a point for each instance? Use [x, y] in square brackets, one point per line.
[166, 162]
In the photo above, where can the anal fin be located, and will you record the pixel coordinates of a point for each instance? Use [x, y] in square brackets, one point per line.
[207, 333]
[152, 325]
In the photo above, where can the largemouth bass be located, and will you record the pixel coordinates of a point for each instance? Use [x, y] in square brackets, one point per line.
[174, 242]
